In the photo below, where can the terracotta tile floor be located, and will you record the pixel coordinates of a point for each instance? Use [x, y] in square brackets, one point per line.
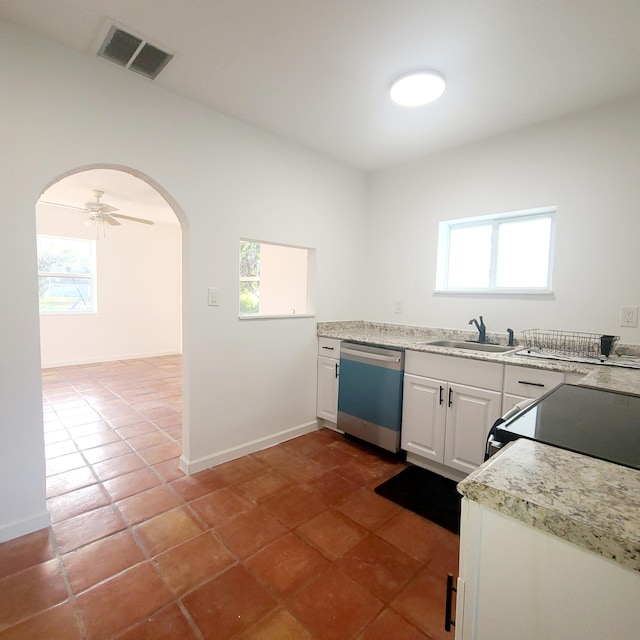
[288, 543]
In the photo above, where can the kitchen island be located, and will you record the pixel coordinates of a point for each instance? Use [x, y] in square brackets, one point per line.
[549, 547]
[591, 503]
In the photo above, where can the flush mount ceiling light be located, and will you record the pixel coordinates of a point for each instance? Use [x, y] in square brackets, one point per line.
[417, 88]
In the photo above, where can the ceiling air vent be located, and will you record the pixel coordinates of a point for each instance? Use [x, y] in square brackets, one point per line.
[133, 53]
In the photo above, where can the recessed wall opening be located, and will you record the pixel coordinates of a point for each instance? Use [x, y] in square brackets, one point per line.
[276, 280]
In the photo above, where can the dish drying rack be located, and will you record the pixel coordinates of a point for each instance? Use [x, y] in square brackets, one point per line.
[569, 344]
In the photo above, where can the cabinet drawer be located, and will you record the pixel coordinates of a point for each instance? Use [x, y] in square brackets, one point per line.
[530, 383]
[475, 373]
[329, 348]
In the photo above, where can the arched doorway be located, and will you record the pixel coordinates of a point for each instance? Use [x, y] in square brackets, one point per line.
[111, 343]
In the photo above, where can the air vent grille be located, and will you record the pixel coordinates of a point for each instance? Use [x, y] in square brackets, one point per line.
[150, 61]
[133, 53]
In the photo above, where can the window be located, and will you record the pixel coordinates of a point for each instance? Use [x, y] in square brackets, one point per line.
[66, 275]
[275, 280]
[503, 253]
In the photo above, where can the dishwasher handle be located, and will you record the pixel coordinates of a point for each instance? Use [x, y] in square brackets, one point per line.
[365, 355]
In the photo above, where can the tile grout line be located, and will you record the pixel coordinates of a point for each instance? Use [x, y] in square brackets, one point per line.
[206, 529]
[130, 528]
[147, 554]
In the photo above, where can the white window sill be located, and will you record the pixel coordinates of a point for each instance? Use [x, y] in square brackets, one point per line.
[276, 317]
[68, 313]
[494, 292]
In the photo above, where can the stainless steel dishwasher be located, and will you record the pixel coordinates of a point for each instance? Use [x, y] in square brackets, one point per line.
[370, 394]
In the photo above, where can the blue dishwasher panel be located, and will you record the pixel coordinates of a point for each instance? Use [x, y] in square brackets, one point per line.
[371, 393]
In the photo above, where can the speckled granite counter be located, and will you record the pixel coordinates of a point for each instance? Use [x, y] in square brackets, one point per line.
[411, 337]
[591, 503]
[613, 379]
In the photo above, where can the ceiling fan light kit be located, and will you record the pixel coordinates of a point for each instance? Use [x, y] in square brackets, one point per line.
[100, 213]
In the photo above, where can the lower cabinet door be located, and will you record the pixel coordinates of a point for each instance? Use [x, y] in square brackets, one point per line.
[471, 412]
[423, 417]
[327, 402]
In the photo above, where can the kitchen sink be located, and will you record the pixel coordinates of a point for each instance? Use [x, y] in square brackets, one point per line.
[470, 346]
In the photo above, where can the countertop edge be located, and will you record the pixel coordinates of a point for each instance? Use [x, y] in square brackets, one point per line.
[402, 341]
[592, 525]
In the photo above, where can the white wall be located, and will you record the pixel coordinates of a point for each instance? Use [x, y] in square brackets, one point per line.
[62, 111]
[586, 165]
[283, 279]
[138, 287]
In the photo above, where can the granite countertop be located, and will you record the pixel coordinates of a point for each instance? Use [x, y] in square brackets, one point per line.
[591, 503]
[613, 379]
[411, 337]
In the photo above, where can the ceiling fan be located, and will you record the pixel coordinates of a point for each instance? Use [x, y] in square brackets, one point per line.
[100, 211]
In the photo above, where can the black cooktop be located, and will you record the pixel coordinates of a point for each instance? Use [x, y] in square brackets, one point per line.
[601, 424]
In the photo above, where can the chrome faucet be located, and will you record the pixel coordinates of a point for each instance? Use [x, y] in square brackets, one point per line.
[482, 330]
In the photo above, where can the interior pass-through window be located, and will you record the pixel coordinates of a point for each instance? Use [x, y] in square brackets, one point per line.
[276, 280]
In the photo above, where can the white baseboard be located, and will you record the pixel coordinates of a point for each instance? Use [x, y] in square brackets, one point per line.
[97, 359]
[220, 457]
[13, 530]
[325, 424]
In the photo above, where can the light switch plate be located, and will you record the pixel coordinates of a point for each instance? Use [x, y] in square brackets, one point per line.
[213, 297]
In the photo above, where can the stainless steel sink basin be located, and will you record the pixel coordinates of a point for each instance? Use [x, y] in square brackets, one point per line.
[470, 346]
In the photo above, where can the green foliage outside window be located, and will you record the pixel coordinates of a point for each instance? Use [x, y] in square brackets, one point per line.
[249, 277]
[65, 275]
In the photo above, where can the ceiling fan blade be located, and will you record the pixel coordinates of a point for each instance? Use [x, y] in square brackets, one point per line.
[106, 208]
[120, 215]
[64, 206]
[110, 220]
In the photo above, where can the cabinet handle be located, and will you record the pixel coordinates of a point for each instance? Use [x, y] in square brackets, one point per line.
[329, 348]
[448, 620]
[441, 391]
[531, 384]
[450, 396]
[336, 369]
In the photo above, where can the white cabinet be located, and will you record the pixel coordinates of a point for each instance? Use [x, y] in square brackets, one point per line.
[423, 417]
[328, 377]
[449, 405]
[470, 415]
[519, 582]
[521, 383]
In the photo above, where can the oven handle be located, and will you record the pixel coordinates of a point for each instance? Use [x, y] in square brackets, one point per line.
[449, 620]
[370, 356]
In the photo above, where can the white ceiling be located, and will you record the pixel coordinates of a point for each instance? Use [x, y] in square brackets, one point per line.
[317, 72]
[127, 193]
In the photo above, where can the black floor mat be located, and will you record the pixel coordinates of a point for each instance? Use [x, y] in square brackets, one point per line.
[425, 493]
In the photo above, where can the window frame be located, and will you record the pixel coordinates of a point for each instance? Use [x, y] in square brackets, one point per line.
[493, 220]
[310, 288]
[91, 278]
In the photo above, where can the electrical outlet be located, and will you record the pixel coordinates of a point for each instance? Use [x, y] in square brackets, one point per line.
[397, 307]
[628, 316]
